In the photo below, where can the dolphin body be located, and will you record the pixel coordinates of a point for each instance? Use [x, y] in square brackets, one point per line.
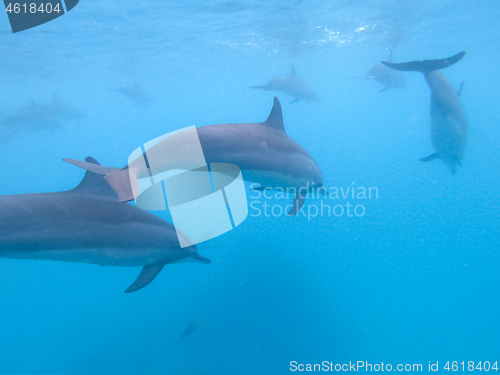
[291, 85]
[135, 93]
[448, 119]
[263, 151]
[30, 118]
[389, 78]
[87, 225]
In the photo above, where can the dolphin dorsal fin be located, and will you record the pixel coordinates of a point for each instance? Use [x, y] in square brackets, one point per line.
[94, 183]
[293, 73]
[275, 119]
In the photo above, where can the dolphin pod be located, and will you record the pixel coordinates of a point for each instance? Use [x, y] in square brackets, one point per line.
[291, 85]
[448, 119]
[87, 225]
[263, 151]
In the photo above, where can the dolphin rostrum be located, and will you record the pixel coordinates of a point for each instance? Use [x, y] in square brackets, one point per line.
[291, 85]
[448, 119]
[263, 151]
[87, 225]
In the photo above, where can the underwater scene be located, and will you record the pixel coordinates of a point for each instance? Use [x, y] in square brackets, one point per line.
[250, 187]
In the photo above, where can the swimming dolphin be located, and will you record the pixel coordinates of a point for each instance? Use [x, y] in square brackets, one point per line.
[389, 78]
[87, 225]
[134, 92]
[292, 85]
[30, 118]
[263, 151]
[193, 326]
[448, 119]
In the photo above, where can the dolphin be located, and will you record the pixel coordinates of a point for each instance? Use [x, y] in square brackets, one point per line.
[389, 78]
[30, 118]
[448, 119]
[291, 85]
[194, 324]
[263, 151]
[87, 225]
[135, 93]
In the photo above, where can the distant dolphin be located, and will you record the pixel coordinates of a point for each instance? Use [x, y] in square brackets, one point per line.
[87, 225]
[193, 326]
[291, 85]
[389, 78]
[30, 118]
[135, 93]
[448, 119]
[263, 151]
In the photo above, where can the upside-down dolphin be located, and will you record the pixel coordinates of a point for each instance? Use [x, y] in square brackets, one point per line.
[291, 85]
[87, 225]
[389, 78]
[448, 119]
[263, 151]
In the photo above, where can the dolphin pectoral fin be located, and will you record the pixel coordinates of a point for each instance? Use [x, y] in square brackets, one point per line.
[430, 158]
[298, 202]
[148, 274]
[201, 259]
[459, 92]
[384, 89]
[294, 101]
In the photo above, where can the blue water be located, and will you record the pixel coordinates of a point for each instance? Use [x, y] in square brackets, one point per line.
[414, 280]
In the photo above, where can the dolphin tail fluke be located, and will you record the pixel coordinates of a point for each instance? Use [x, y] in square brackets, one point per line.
[148, 274]
[425, 66]
[298, 202]
[118, 178]
[429, 158]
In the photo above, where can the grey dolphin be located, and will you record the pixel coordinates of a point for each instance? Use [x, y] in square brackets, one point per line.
[30, 118]
[291, 85]
[448, 119]
[389, 78]
[263, 151]
[193, 325]
[134, 92]
[87, 225]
